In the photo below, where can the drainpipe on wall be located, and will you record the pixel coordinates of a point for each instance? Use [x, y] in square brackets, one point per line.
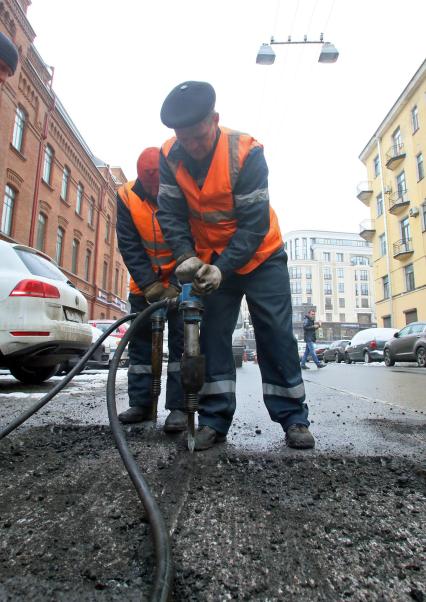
[102, 194]
[385, 221]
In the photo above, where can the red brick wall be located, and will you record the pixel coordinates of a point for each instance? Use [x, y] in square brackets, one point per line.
[45, 124]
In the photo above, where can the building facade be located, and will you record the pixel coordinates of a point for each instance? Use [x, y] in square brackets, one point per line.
[395, 193]
[55, 195]
[330, 272]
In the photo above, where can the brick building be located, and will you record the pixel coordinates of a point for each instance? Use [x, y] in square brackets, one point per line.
[55, 195]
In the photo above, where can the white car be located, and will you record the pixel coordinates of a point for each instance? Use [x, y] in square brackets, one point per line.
[42, 315]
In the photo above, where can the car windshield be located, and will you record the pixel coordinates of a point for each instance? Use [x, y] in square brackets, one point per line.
[40, 266]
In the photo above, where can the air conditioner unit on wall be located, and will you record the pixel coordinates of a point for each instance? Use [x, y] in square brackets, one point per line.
[414, 211]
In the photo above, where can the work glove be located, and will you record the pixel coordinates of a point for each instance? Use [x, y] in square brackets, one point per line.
[186, 271]
[154, 291]
[171, 292]
[206, 280]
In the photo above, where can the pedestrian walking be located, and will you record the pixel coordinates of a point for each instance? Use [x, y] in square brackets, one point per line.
[215, 214]
[151, 266]
[8, 58]
[310, 328]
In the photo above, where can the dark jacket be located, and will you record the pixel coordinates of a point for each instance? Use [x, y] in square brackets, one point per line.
[309, 329]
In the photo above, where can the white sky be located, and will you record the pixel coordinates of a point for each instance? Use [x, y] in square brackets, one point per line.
[116, 61]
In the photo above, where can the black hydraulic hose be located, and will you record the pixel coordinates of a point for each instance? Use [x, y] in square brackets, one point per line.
[58, 387]
[163, 580]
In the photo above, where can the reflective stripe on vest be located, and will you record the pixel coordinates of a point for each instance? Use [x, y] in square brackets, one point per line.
[144, 217]
[212, 209]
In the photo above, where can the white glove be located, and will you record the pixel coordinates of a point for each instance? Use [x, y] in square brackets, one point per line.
[186, 271]
[207, 280]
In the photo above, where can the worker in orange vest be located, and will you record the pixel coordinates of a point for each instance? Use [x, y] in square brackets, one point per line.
[151, 266]
[215, 214]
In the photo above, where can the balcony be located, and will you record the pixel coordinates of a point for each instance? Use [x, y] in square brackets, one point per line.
[398, 201]
[403, 248]
[364, 192]
[395, 155]
[367, 229]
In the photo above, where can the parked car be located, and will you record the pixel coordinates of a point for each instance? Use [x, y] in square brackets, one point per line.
[100, 359]
[320, 348]
[42, 315]
[336, 351]
[116, 335]
[407, 345]
[367, 345]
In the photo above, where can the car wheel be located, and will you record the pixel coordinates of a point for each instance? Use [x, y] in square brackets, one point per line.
[347, 359]
[388, 359]
[367, 358]
[337, 358]
[421, 357]
[33, 376]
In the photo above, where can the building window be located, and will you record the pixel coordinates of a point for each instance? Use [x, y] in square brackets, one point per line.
[117, 273]
[405, 229]
[328, 317]
[105, 275]
[327, 273]
[342, 317]
[415, 119]
[365, 302]
[87, 262]
[363, 275]
[48, 161]
[401, 184]
[309, 271]
[90, 211]
[341, 302]
[424, 215]
[326, 256]
[7, 215]
[410, 316]
[409, 277]
[18, 129]
[360, 260]
[386, 290]
[41, 231]
[376, 166]
[60, 235]
[340, 273]
[74, 257]
[364, 288]
[327, 288]
[65, 182]
[107, 228]
[339, 257]
[397, 140]
[420, 167]
[79, 199]
[382, 244]
[296, 286]
[328, 303]
[379, 204]
[341, 287]
[387, 321]
[295, 272]
[309, 288]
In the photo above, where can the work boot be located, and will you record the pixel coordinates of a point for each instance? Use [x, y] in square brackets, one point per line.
[206, 437]
[135, 414]
[299, 437]
[176, 421]
[304, 367]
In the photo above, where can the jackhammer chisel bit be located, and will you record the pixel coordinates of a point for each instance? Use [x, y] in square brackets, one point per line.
[158, 319]
[192, 362]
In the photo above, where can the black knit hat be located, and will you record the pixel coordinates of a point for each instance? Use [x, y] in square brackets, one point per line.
[188, 104]
[8, 52]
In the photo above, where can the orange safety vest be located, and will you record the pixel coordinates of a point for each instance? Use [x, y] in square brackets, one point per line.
[144, 217]
[211, 209]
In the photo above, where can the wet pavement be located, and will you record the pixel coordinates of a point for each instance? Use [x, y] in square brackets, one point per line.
[249, 519]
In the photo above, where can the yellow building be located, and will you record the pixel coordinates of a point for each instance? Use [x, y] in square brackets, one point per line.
[395, 192]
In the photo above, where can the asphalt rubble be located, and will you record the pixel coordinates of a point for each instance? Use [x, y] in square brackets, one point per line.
[269, 526]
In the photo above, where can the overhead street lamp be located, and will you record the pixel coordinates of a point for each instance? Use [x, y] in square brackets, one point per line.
[329, 53]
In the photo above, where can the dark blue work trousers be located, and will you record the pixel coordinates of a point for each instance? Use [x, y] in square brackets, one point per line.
[140, 350]
[267, 290]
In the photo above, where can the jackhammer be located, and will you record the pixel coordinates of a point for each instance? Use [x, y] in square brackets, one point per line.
[192, 364]
[158, 319]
